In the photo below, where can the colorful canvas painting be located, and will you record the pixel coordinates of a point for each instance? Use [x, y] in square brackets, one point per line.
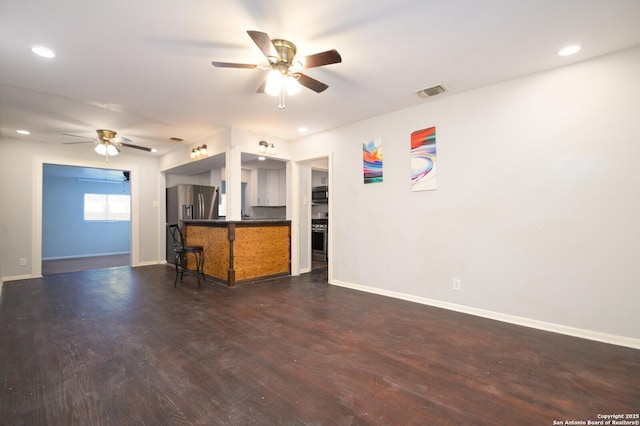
[372, 161]
[423, 160]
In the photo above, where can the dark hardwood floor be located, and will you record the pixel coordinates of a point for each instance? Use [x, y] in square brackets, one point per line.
[316, 264]
[121, 346]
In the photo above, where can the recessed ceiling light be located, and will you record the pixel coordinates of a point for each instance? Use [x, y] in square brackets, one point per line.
[569, 50]
[23, 132]
[45, 52]
[154, 150]
[303, 129]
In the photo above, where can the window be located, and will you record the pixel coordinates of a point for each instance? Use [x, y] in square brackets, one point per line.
[107, 207]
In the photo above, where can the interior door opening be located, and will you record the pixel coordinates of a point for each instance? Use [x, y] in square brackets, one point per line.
[86, 218]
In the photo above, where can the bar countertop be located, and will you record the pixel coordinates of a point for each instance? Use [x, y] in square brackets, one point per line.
[243, 222]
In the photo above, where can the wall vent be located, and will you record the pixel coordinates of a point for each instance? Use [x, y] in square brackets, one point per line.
[431, 91]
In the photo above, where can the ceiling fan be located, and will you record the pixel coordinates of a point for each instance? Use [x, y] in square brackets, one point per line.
[107, 143]
[285, 75]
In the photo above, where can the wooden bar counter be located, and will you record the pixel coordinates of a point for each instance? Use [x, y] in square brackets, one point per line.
[241, 251]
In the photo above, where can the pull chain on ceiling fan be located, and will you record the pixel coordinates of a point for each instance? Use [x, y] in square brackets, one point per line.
[285, 75]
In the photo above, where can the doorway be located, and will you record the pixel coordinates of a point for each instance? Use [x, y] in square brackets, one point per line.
[313, 230]
[319, 213]
[86, 218]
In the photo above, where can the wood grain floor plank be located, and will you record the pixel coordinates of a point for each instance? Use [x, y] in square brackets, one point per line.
[121, 346]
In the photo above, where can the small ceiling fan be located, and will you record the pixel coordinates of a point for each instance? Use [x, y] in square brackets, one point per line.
[285, 75]
[107, 143]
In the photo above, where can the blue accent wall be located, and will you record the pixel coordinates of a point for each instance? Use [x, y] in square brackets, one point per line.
[66, 234]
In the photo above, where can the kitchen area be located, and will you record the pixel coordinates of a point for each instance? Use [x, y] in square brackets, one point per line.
[257, 243]
[256, 246]
[263, 191]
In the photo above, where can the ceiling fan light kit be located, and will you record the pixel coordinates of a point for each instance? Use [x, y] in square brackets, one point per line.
[291, 85]
[106, 149]
[285, 75]
[278, 81]
[274, 83]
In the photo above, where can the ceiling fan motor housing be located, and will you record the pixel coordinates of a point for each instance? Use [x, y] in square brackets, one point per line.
[286, 50]
[104, 134]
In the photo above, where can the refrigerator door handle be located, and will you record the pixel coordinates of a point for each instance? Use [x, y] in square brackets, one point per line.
[212, 214]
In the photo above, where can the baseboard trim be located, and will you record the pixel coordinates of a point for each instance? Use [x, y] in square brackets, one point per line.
[80, 256]
[512, 319]
[18, 277]
[149, 263]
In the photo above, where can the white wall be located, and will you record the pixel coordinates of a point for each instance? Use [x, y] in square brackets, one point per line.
[303, 215]
[537, 207]
[217, 143]
[206, 178]
[20, 225]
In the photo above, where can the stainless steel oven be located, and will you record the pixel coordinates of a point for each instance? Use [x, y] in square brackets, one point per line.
[319, 244]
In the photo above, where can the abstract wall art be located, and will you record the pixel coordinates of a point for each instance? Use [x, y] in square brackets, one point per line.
[423, 160]
[372, 161]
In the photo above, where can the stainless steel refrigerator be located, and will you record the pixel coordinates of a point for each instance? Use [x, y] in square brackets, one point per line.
[187, 202]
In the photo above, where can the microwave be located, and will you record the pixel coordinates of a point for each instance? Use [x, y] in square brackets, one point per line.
[320, 194]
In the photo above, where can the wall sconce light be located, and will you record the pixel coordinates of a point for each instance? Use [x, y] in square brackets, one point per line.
[265, 147]
[198, 152]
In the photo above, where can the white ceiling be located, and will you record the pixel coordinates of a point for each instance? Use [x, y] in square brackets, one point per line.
[143, 67]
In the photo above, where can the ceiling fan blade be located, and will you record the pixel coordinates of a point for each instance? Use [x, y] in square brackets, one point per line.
[120, 139]
[263, 41]
[232, 65]
[128, 145]
[262, 86]
[74, 143]
[77, 136]
[311, 83]
[323, 58]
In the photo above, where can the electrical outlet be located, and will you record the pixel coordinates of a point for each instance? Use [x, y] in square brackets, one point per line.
[456, 284]
[23, 261]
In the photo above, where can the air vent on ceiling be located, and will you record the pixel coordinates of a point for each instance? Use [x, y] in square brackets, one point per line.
[431, 91]
[175, 139]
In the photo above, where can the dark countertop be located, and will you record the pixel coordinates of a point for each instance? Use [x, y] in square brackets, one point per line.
[223, 222]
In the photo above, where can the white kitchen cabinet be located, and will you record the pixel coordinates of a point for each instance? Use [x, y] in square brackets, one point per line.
[272, 187]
